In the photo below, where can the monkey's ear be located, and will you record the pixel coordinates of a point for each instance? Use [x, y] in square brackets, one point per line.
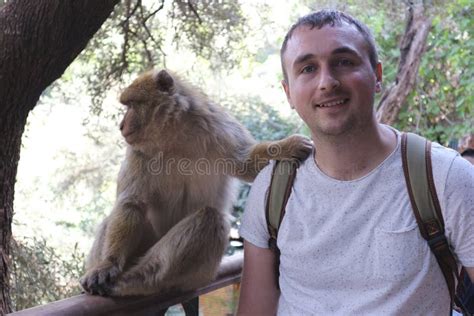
[164, 81]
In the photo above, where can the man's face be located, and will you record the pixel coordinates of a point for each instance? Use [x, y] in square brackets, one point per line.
[331, 82]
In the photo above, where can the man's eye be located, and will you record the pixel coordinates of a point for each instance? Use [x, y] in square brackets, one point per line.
[344, 62]
[308, 69]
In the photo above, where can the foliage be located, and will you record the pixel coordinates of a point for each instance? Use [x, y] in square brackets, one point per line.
[442, 106]
[138, 33]
[261, 119]
[213, 29]
[40, 275]
[89, 184]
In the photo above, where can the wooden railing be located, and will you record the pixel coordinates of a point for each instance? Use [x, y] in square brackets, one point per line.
[229, 273]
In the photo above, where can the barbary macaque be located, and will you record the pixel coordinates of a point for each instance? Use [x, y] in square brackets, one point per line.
[169, 226]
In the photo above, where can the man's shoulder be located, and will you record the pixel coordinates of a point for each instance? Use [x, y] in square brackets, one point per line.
[442, 151]
[450, 171]
[442, 157]
[437, 151]
[265, 174]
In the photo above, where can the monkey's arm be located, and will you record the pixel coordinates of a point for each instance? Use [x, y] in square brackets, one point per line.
[118, 239]
[295, 146]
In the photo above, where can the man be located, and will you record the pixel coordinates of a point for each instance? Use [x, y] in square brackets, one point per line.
[349, 241]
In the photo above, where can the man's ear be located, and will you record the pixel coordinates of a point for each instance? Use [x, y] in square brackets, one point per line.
[286, 87]
[378, 75]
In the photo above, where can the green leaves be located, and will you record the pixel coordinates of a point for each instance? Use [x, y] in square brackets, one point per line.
[140, 34]
[41, 275]
[441, 106]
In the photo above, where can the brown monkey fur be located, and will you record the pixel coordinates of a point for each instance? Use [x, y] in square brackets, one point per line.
[169, 226]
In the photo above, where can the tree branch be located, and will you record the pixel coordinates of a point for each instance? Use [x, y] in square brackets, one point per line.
[193, 9]
[154, 12]
[412, 47]
[39, 39]
[126, 31]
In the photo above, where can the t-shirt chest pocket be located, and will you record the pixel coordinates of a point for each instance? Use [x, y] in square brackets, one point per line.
[398, 254]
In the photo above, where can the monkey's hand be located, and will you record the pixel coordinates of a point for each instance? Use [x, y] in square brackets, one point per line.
[100, 280]
[295, 146]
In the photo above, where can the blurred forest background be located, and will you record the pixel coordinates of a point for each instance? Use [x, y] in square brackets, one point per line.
[72, 149]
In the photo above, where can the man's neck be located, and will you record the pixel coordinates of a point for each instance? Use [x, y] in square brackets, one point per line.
[349, 157]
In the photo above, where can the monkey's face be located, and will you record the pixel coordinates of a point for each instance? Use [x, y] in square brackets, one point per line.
[132, 124]
[145, 99]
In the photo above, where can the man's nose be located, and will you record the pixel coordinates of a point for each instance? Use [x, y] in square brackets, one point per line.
[327, 80]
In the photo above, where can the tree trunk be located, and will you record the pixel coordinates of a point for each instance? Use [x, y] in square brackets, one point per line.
[412, 47]
[38, 41]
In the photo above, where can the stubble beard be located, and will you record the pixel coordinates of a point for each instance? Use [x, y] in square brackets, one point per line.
[332, 132]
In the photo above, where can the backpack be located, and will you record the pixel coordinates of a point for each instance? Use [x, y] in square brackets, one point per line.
[416, 159]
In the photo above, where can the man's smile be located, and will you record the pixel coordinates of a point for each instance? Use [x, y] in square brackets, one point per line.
[331, 103]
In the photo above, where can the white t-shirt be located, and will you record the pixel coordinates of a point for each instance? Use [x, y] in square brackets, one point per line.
[354, 247]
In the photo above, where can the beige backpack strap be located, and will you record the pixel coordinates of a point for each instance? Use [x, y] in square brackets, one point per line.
[279, 192]
[416, 158]
[283, 175]
[416, 155]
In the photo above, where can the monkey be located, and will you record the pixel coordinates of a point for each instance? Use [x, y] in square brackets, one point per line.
[169, 226]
